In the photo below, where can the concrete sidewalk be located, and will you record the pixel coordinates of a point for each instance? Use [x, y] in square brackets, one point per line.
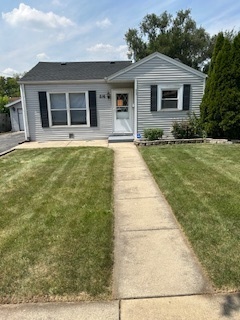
[152, 257]
[62, 144]
[156, 274]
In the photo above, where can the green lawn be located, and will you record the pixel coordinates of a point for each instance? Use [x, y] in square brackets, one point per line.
[56, 224]
[202, 185]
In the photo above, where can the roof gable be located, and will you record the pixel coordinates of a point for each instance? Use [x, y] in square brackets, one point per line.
[73, 71]
[13, 103]
[162, 57]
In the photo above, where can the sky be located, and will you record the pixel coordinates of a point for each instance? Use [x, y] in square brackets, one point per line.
[87, 30]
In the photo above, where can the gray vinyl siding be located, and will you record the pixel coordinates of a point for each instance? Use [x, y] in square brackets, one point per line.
[159, 69]
[160, 72]
[104, 113]
[164, 119]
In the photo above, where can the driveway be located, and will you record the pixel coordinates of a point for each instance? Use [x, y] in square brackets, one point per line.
[10, 140]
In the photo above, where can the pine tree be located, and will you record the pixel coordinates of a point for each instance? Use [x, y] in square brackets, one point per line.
[207, 109]
[230, 104]
[222, 95]
[220, 108]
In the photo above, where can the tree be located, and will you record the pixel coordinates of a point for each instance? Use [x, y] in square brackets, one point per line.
[3, 101]
[208, 114]
[230, 104]
[177, 37]
[2, 86]
[8, 88]
[12, 87]
[220, 108]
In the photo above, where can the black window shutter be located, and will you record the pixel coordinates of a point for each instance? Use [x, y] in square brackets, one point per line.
[154, 98]
[186, 96]
[93, 108]
[43, 109]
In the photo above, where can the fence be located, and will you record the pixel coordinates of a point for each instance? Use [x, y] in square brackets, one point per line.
[5, 122]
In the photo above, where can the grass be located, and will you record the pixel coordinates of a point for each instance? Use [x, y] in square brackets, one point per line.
[202, 185]
[56, 224]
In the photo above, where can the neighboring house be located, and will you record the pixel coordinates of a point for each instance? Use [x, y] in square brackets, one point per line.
[97, 100]
[16, 114]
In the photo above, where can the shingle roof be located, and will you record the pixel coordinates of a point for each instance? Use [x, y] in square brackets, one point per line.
[57, 71]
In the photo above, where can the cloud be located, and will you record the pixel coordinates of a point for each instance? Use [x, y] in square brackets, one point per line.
[42, 56]
[101, 47]
[9, 72]
[104, 23]
[27, 16]
[107, 50]
[56, 3]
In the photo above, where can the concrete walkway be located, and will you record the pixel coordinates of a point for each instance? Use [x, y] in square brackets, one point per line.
[156, 274]
[152, 258]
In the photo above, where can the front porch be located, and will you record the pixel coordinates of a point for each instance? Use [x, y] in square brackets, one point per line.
[121, 137]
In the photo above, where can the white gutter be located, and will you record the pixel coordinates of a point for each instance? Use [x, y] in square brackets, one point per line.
[136, 107]
[25, 115]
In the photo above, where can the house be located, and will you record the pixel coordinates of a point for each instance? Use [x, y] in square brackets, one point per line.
[16, 114]
[98, 100]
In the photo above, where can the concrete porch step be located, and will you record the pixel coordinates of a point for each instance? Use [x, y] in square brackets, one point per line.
[120, 138]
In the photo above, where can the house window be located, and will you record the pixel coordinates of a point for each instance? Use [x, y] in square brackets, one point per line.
[58, 109]
[68, 109]
[78, 109]
[170, 98]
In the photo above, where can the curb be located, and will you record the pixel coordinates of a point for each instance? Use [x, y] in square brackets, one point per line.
[12, 149]
[6, 152]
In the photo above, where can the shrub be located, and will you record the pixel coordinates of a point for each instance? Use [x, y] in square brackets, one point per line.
[188, 129]
[153, 134]
[182, 130]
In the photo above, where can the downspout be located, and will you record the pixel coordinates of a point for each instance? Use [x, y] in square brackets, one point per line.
[136, 107]
[25, 115]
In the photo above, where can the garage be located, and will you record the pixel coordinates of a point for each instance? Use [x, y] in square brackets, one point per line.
[16, 114]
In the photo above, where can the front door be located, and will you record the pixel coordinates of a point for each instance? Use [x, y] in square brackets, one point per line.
[123, 110]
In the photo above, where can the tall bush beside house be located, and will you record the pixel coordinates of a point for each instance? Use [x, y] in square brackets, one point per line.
[220, 108]
[230, 108]
[223, 81]
[208, 114]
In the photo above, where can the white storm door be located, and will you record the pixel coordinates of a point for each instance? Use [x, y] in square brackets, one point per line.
[123, 110]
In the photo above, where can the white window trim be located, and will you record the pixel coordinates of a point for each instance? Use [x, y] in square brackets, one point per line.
[177, 87]
[68, 110]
